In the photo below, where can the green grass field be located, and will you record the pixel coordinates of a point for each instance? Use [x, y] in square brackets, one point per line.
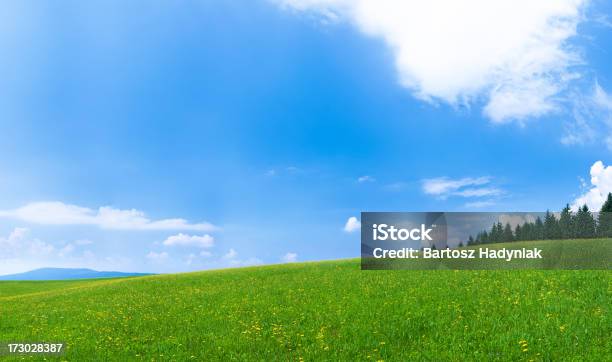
[320, 311]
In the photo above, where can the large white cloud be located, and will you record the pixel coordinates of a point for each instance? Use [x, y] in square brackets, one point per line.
[601, 182]
[59, 213]
[513, 54]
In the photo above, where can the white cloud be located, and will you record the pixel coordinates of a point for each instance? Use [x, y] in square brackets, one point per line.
[247, 262]
[231, 258]
[66, 250]
[366, 178]
[444, 187]
[19, 244]
[58, 213]
[152, 255]
[352, 224]
[205, 254]
[289, 258]
[513, 54]
[231, 254]
[203, 241]
[601, 182]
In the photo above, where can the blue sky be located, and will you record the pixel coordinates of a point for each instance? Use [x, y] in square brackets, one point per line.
[163, 136]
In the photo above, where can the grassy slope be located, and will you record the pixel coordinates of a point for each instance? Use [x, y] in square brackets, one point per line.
[324, 310]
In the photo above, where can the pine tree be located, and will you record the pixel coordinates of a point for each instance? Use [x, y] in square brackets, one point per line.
[604, 219]
[500, 232]
[518, 233]
[589, 223]
[538, 232]
[566, 229]
[507, 234]
[460, 244]
[470, 240]
[493, 236]
[550, 226]
[584, 223]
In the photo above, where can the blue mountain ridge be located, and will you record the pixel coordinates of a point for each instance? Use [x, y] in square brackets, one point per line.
[67, 273]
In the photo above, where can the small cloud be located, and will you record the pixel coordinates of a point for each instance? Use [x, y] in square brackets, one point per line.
[231, 258]
[248, 262]
[157, 256]
[205, 254]
[270, 173]
[289, 258]
[352, 224]
[231, 254]
[366, 178]
[203, 241]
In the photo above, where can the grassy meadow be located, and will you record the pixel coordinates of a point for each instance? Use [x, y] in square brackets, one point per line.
[328, 310]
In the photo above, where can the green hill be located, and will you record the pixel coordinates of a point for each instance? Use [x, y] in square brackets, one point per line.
[319, 311]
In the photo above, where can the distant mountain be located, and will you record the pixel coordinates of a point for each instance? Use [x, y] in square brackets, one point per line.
[67, 273]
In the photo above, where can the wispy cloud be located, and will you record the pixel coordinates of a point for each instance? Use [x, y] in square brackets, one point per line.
[444, 186]
[467, 187]
[157, 257]
[591, 120]
[479, 192]
[59, 213]
[19, 243]
[199, 241]
[366, 178]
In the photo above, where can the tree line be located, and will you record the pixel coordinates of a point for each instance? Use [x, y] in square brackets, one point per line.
[569, 225]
